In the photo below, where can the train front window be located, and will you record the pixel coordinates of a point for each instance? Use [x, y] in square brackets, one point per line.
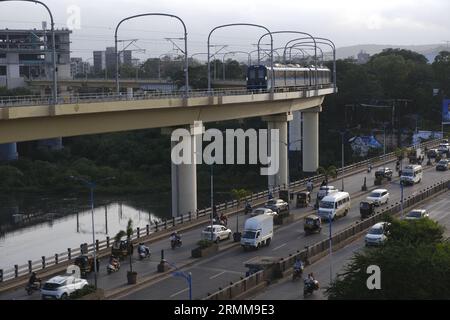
[261, 74]
[252, 74]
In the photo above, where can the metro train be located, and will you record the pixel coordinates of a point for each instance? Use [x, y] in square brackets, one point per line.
[286, 77]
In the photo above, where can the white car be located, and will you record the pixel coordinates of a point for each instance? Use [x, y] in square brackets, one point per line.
[259, 211]
[277, 205]
[417, 214]
[378, 197]
[443, 148]
[219, 232]
[60, 287]
[377, 235]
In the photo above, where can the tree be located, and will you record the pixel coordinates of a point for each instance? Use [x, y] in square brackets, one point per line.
[129, 232]
[413, 264]
[330, 171]
[441, 68]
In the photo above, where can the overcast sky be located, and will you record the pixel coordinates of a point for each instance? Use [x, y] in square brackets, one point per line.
[346, 22]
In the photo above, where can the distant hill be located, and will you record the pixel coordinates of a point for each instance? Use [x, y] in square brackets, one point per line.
[430, 51]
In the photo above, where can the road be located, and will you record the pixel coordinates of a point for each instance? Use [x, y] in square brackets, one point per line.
[228, 265]
[286, 289]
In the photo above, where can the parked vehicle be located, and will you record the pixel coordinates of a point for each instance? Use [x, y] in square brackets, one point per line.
[377, 235]
[366, 209]
[384, 172]
[417, 214]
[337, 204]
[219, 232]
[378, 197]
[60, 287]
[258, 231]
[312, 223]
[411, 174]
[277, 205]
[113, 265]
[265, 211]
[443, 165]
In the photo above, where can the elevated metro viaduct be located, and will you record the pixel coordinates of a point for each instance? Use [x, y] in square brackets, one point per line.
[25, 123]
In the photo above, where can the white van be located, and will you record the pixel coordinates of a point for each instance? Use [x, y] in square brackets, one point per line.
[336, 204]
[411, 174]
[258, 231]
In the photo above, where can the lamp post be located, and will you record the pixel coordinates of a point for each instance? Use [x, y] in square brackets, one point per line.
[91, 185]
[331, 249]
[186, 275]
[342, 159]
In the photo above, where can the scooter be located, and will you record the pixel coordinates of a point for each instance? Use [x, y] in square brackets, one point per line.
[175, 243]
[113, 267]
[144, 253]
[30, 288]
[297, 273]
[310, 286]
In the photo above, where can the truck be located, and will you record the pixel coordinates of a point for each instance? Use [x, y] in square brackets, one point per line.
[258, 231]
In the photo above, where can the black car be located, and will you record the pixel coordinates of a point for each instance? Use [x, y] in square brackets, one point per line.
[384, 173]
[443, 165]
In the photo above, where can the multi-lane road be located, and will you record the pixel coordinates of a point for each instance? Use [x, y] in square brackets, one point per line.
[286, 289]
[209, 274]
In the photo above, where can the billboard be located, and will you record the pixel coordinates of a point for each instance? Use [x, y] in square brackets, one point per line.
[446, 111]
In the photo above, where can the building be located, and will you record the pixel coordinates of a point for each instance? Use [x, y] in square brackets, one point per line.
[107, 59]
[78, 66]
[27, 55]
[363, 57]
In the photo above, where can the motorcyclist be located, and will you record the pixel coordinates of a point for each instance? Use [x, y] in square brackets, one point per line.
[248, 207]
[34, 279]
[113, 260]
[298, 265]
[309, 185]
[397, 165]
[143, 249]
[175, 236]
[369, 168]
[223, 219]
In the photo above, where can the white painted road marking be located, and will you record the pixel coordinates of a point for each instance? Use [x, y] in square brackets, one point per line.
[179, 292]
[279, 247]
[215, 276]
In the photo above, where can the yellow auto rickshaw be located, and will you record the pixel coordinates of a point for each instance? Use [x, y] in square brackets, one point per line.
[312, 224]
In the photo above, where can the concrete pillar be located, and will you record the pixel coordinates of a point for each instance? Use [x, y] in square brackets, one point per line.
[130, 93]
[311, 139]
[279, 122]
[8, 151]
[184, 176]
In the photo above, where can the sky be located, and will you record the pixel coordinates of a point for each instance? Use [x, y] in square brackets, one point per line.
[346, 22]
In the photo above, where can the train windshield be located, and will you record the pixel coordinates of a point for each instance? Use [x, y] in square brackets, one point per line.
[252, 74]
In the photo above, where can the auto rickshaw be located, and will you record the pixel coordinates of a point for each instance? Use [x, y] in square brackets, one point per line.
[121, 249]
[303, 199]
[86, 263]
[312, 224]
[366, 209]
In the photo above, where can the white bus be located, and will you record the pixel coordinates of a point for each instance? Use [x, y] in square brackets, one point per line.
[411, 174]
[336, 205]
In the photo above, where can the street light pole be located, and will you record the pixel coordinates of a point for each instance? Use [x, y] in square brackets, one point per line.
[212, 202]
[92, 186]
[342, 162]
[331, 251]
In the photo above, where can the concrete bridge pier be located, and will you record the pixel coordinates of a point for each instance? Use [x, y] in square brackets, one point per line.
[8, 151]
[279, 122]
[311, 139]
[184, 175]
[129, 92]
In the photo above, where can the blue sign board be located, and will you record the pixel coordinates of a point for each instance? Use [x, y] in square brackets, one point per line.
[446, 111]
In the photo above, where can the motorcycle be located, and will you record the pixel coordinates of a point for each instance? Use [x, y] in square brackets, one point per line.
[248, 209]
[30, 288]
[143, 253]
[369, 168]
[175, 243]
[297, 274]
[113, 266]
[310, 286]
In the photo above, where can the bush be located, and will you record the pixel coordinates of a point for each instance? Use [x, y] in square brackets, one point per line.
[205, 243]
[82, 292]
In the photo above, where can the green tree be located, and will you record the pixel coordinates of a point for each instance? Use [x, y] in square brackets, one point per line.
[441, 69]
[413, 263]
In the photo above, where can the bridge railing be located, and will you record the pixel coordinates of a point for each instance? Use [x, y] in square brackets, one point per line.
[166, 224]
[69, 98]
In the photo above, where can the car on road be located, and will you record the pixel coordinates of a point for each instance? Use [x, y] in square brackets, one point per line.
[417, 214]
[259, 211]
[444, 148]
[384, 172]
[60, 287]
[378, 197]
[443, 165]
[277, 205]
[377, 235]
[432, 153]
[219, 232]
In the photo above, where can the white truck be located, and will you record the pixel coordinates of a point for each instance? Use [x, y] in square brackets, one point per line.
[258, 231]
